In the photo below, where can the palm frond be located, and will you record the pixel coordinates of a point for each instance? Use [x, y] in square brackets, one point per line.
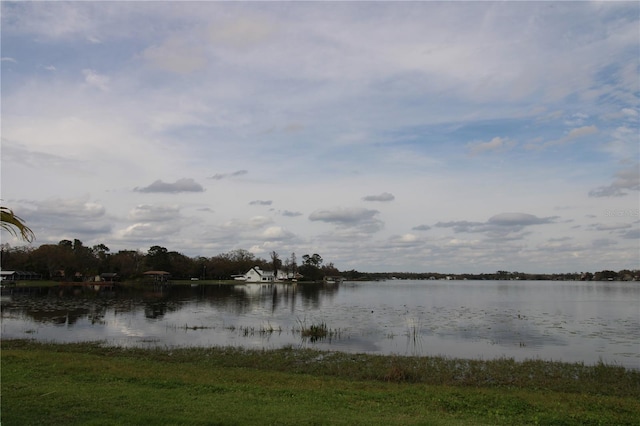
[15, 225]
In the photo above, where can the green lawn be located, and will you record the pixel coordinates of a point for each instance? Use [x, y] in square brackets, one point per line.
[86, 384]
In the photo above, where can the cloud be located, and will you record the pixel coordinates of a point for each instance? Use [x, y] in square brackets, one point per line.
[343, 215]
[288, 213]
[77, 208]
[220, 176]
[496, 144]
[92, 78]
[260, 203]
[580, 132]
[276, 233]
[633, 234]
[154, 213]
[36, 159]
[461, 226]
[181, 185]
[259, 221]
[421, 228]
[504, 226]
[253, 223]
[519, 219]
[384, 197]
[55, 219]
[363, 219]
[148, 232]
[559, 239]
[603, 243]
[572, 135]
[610, 226]
[405, 240]
[627, 179]
[576, 119]
[9, 59]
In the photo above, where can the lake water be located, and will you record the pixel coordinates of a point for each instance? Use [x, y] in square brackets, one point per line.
[552, 320]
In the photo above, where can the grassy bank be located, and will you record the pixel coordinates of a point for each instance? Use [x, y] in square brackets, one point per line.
[90, 384]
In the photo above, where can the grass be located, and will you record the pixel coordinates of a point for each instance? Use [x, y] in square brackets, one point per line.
[316, 332]
[86, 383]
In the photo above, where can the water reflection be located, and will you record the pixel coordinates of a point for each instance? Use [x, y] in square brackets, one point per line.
[569, 321]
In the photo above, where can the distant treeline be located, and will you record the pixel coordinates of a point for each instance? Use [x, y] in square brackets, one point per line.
[73, 261]
[606, 275]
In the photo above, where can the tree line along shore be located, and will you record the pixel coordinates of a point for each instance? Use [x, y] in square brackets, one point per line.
[73, 261]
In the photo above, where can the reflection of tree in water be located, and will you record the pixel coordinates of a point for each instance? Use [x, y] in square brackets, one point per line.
[157, 304]
[243, 298]
[155, 310]
[68, 305]
[58, 316]
[65, 305]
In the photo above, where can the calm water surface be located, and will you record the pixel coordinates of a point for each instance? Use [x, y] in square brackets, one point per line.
[554, 320]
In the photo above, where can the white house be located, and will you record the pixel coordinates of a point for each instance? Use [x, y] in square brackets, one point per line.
[257, 275]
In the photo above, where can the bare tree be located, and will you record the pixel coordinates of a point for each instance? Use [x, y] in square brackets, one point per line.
[276, 262]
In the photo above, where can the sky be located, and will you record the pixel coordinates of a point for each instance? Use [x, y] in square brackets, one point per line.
[443, 137]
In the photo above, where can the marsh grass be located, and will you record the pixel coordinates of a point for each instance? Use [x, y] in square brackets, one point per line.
[264, 330]
[91, 383]
[316, 332]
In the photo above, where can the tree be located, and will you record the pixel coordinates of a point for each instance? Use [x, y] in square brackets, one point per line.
[15, 225]
[158, 259]
[294, 265]
[314, 260]
[127, 263]
[311, 267]
[276, 263]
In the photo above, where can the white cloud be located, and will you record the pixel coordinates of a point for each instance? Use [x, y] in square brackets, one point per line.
[406, 239]
[276, 233]
[580, 132]
[97, 80]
